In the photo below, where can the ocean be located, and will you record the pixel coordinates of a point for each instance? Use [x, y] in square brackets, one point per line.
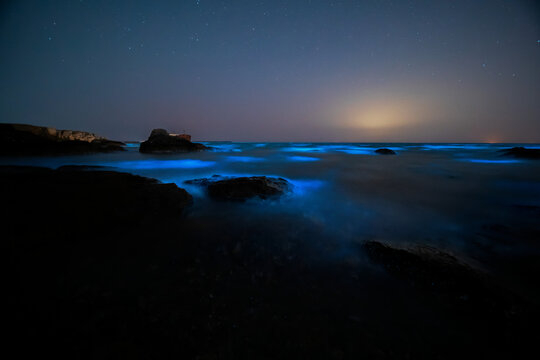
[294, 270]
[467, 199]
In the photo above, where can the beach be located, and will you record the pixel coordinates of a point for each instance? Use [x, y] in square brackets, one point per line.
[126, 270]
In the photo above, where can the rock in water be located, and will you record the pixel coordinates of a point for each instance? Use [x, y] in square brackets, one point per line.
[160, 141]
[385, 151]
[20, 139]
[522, 153]
[242, 188]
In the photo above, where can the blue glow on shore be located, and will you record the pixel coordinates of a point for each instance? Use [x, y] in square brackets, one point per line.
[224, 147]
[305, 149]
[244, 159]
[482, 161]
[302, 158]
[343, 148]
[162, 164]
[301, 187]
[357, 151]
[459, 147]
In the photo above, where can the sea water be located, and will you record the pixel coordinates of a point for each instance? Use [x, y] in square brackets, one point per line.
[465, 198]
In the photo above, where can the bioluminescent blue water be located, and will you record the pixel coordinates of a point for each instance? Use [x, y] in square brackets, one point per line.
[304, 149]
[301, 187]
[445, 194]
[302, 158]
[455, 146]
[492, 161]
[357, 151]
[244, 158]
[352, 149]
[160, 164]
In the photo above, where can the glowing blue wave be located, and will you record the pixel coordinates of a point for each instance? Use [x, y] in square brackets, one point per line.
[161, 164]
[302, 158]
[244, 159]
[482, 161]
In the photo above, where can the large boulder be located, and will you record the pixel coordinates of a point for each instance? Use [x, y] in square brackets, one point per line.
[160, 141]
[522, 153]
[90, 195]
[21, 139]
[242, 188]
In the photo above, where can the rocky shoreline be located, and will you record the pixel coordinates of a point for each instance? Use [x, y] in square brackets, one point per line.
[105, 263]
[23, 140]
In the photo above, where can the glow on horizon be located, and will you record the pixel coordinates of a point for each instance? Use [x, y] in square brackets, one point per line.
[386, 116]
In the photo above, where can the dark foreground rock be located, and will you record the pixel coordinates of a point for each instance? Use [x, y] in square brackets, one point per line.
[454, 283]
[160, 141]
[90, 193]
[424, 267]
[19, 139]
[385, 151]
[242, 188]
[522, 153]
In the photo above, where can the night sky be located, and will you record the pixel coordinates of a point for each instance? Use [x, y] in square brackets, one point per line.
[412, 71]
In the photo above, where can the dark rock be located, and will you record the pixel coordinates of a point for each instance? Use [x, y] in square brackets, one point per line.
[453, 281]
[159, 132]
[385, 151]
[424, 266]
[160, 141]
[79, 193]
[79, 243]
[242, 188]
[20, 139]
[522, 153]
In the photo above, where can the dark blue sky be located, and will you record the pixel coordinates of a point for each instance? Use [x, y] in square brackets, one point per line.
[276, 70]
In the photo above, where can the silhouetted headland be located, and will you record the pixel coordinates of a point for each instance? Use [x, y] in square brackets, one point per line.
[20, 139]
